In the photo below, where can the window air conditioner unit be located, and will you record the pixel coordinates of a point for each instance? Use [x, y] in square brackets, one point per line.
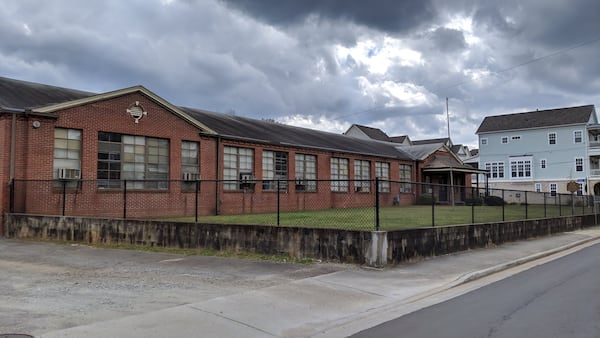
[68, 174]
[191, 177]
[247, 178]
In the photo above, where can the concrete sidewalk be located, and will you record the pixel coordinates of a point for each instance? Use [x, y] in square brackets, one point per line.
[329, 305]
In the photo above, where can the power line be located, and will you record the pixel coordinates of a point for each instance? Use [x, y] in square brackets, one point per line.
[543, 57]
[504, 70]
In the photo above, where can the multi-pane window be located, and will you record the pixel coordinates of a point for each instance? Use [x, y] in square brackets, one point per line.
[362, 175]
[405, 178]
[306, 172]
[520, 168]
[133, 162]
[577, 136]
[238, 164]
[504, 140]
[275, 170]
[189, 164]
[538, 187]
[143, 161]
[484, 141]
[382, 171]
[543, 163]
[553, 187]
[552, 138]
[339, 174]
[67, 153]
[109, 160]
[496, 169]
[579, 164]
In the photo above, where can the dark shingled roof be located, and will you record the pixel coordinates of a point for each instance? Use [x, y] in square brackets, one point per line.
[399, 139]
[16, 94]
[280, 134]
[431, 141]
[373, 133]
[537, 119]
[21, 95]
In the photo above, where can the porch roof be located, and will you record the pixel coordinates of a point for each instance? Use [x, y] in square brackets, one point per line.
[440, 164]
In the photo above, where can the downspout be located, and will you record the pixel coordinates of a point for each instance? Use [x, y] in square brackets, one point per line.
[13, 145]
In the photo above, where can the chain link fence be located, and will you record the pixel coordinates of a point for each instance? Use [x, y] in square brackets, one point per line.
[339, 204]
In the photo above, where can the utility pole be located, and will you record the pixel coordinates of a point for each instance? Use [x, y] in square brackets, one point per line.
[448, 118]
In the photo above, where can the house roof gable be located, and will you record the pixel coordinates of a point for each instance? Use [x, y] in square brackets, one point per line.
[443, 140]
[372, 133]
[537, 119]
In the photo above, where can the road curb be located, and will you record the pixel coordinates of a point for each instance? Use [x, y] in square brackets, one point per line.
[469, 277]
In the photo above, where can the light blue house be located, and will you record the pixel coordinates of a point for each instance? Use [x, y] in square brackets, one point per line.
[542, 150]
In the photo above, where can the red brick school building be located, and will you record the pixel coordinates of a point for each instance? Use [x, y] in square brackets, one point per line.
[89, 145]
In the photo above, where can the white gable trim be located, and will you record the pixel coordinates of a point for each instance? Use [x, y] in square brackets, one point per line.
[120, 92]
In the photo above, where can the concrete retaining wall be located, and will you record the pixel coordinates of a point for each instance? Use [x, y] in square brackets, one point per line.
[416, 244]
[376, 248]
[324, 244]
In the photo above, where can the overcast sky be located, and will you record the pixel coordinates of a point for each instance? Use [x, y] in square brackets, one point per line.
[322, 64]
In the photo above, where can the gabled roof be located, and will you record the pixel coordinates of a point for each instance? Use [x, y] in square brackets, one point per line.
[442, 163]
[22, 95]
[372, 133]
[457, 148]
[39, 98]
[420, 151]
[443, 140]
[537, 119]
[400, 139]
[242, 128]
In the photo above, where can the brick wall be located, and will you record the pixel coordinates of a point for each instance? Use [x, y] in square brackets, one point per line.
[34, 161]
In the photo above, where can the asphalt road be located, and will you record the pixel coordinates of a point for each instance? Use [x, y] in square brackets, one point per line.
[557, 299]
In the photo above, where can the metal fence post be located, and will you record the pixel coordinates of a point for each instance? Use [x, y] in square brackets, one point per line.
[432, 207]
[196, 204]
[526, 207]
[64, 196]
[472, 205]
[11, 185]
[376, 203]
[503, 203]
[278, 203]
[545, 207]
[559, 206]
[124, 199]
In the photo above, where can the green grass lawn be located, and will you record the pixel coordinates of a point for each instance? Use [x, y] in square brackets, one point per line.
[391, 218]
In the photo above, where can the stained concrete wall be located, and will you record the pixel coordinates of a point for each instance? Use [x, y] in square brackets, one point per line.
[417, 244]
[376, 248]
[325, 244]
